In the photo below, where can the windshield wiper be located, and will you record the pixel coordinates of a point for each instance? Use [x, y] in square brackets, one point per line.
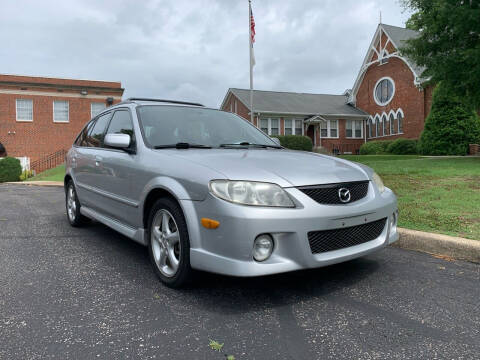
[182, 145]
[246, 143]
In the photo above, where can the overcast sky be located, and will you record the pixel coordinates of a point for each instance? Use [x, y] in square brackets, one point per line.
[193, 49]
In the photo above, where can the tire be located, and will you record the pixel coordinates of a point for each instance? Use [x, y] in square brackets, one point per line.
[72, 205]
[168, 243]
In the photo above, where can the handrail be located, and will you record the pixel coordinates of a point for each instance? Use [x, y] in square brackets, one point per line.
[48, 161]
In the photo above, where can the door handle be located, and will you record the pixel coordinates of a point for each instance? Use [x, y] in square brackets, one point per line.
[98, 160]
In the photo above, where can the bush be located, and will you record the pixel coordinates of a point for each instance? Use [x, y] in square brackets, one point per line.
[375, 147]
[10, 169]
[403, 147]
[295, 142]
[26, 174]
[451, 125]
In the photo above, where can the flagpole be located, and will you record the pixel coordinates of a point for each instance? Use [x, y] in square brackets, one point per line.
[251, 59]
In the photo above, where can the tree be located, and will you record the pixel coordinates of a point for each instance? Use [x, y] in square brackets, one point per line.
[451, 125]
[448, 45]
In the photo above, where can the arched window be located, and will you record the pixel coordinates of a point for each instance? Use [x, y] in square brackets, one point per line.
[377, 127]
[400, 123]
[384, 125]
[370, 123]
[392, 124]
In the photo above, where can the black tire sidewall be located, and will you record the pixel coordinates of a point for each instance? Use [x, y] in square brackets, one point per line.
[184, 271]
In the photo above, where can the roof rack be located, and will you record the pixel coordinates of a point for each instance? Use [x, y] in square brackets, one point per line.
[165, 101]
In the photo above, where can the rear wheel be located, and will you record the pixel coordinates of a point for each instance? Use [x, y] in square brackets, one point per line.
[75, 218]
[169, 245]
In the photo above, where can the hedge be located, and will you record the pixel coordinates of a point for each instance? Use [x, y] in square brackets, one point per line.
[451, 125]
[375, 147]
[295, 142]
[10, 169]
[403, 147]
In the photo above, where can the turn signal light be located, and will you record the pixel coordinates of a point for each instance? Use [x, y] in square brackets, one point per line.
[210, 224]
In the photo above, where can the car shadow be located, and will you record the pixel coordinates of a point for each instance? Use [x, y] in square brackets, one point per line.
[226, 294]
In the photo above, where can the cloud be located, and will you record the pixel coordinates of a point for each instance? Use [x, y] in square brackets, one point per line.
[193, 50]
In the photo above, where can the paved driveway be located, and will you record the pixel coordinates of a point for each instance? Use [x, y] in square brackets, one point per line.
[90, 293]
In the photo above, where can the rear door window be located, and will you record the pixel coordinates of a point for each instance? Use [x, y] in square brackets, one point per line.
[97, 133]
[82, 137]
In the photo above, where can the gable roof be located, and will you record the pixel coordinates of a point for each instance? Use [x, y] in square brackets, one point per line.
[397, 36]
[295, 103]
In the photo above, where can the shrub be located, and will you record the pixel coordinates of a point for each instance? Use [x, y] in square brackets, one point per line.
[451, 125]
[10, 169]
[26, 174]
[295, 142]
[375, 147]
[403, 147]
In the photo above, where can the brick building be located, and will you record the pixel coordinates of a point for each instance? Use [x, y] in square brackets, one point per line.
[324, 118]
[40, 116]
[386, 102]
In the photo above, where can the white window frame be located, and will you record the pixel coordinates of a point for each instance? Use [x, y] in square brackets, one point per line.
[269, 131]
[16, 110]
[375, 90]
[91, 108]
[400, 112]
[354, 127]
[68, 112]
[293, 124]
[329, 130]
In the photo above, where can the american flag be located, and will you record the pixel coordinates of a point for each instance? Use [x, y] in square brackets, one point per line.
[252, 26]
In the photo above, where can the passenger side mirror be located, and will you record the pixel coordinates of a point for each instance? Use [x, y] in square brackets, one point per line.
[118, 141]
[276, 141]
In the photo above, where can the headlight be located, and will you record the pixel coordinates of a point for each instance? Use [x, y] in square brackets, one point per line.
[378, 181]
[251, 193]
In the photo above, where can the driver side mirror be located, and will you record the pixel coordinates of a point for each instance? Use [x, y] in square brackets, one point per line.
[276, 141]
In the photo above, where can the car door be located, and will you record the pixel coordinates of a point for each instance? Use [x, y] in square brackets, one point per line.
[115, 171]
[88, 172]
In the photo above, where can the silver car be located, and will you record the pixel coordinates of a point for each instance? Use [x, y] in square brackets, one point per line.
[205, 189]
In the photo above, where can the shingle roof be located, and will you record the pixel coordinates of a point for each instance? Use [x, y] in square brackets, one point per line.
[399, 35]
[297, 103]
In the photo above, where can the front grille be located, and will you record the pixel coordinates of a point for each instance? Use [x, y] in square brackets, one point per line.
[328, 193]
[329, 240]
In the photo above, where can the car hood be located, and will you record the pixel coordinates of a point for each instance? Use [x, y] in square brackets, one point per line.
[284, 167]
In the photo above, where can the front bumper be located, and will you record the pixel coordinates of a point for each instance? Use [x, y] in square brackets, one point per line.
[228, 249]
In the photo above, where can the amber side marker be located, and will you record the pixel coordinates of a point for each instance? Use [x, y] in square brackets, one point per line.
[210, 224]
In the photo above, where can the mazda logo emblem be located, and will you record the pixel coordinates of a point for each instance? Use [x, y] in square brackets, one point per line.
[344, 195]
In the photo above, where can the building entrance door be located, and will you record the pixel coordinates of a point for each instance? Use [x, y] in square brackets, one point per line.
[311, 133]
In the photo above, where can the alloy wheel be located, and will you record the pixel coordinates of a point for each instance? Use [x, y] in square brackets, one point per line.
[165, 243]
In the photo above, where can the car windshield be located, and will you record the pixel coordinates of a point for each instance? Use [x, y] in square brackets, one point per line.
[167, 125]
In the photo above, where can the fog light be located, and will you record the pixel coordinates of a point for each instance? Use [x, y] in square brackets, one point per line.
[262, 247]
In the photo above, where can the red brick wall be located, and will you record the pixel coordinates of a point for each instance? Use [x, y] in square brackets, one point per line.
[42, 136]
[407, 97]
[343, 144]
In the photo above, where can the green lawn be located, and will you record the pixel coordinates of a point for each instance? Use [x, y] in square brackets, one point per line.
[434, 194]
[55, 174]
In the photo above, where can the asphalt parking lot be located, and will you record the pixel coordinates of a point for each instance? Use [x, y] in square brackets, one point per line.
[90, 293]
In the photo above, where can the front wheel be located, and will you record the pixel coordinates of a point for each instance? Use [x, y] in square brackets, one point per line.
[169, 245]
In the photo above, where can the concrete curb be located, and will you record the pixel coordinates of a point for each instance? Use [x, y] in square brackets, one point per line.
[37, 183]
[438, 244]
